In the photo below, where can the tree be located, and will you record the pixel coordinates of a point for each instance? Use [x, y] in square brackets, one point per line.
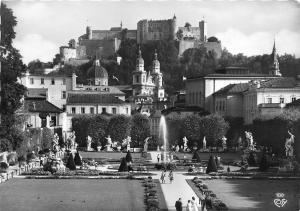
[179, 34]
[214, 127]
[175, 129]
[77, 159]
[211, 166]
[12, 67]
[264, 165]
[123, 166]
[47, 137]
[140, 129]
[187, 25]
[119, 128]
[80, 125]
[192, 128]
[57, 59]
[71, 164]
[97, 128]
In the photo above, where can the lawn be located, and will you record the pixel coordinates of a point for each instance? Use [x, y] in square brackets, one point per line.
[256, 194]
[71, 194]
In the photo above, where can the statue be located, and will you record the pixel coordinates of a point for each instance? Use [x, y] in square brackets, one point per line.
[55, 145]
[289, 150]
[249, 139]
[185, 141]
[204, 143]
[224, 143]
[89, 142]
[177, 148]
[71, 144]
[109, 143]
[128, 143]
[146, 144]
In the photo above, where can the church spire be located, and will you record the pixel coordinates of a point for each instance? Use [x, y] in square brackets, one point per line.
[275, 64]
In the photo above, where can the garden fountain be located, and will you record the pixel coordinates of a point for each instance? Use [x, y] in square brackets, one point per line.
[163, 136]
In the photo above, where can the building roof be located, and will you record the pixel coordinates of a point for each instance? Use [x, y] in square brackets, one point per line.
[281, 82]
[92, 98]
[294, 104]
[40, 106]
[248, 75]
[100, 72]
[116, 29]
[233, 89]
[92, 89]
[36, 93]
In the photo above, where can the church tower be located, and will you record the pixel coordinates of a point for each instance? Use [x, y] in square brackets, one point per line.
[139, 75]
[274, 70]
[203, 30]
[157, 79]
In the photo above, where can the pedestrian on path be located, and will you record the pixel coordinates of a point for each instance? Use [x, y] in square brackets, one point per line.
[171, 176]
[178, 205]
[158, 157]
[162, 177]
[189, 206]
[194, 204]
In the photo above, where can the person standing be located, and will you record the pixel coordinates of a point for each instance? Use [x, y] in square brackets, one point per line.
[158, 157]
[178, 205]
[194, 204]
[189, 206]
[171, 176]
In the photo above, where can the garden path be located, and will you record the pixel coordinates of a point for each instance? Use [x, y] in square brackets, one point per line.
[178, 189]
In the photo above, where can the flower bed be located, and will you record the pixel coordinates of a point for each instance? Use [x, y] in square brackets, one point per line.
[151, 196]
[40, 172]
[211, 198]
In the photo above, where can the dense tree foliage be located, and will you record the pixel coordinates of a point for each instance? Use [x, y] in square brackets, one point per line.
[119, 127]
[97, 129]
[140, 129]
[12, 92]
[211, 166]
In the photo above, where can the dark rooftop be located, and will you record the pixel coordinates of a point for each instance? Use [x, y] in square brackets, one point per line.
[74, 98]
[282, 82]
[41, 106]
[233, 89]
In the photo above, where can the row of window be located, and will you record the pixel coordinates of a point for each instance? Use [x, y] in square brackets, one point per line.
[92, 110]
[42, 81]
[281, 100]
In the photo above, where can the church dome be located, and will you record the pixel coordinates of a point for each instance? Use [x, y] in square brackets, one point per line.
[140, 60]
[155, 62]
[100, 72]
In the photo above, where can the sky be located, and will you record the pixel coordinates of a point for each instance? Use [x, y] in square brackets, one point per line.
[247, 27]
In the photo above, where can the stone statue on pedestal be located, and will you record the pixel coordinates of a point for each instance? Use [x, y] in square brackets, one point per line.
[146, 144]
[109, 143]
[249, 139]
[89, 143]
[204, 143]
[289, 150]
[55, 144]
[224, 143]
[185, 141]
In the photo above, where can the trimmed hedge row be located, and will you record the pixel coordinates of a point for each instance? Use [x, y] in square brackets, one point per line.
[151, 197]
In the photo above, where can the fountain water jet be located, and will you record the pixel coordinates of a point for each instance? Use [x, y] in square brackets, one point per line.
[163, 136]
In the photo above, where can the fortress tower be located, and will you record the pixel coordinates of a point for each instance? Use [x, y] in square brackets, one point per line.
[203, 30]
[88, 33]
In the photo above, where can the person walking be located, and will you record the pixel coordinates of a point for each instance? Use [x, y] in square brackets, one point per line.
[178, 205]
[162, 177]
[189, 206]
[158, 157]
[194, 204]
[171, 176]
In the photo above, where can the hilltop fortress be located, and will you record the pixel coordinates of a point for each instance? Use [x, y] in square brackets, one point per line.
[107, 42]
